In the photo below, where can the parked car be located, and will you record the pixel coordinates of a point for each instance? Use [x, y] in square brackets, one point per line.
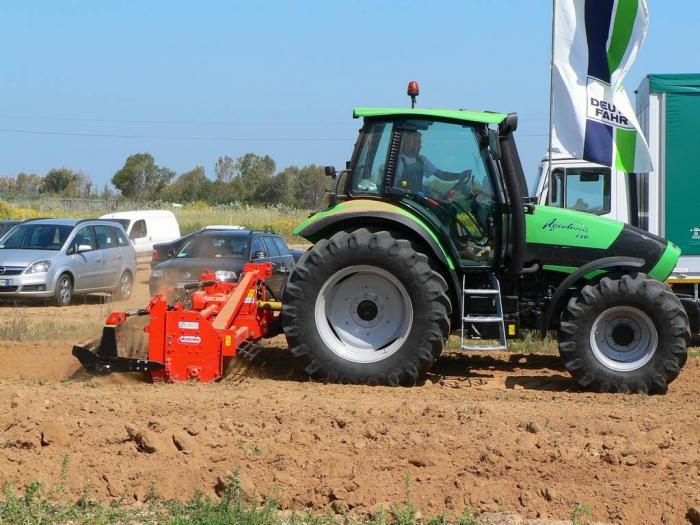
[59, 258]
[166, 250]
[6, 226]
[146, 228]
[224, 252]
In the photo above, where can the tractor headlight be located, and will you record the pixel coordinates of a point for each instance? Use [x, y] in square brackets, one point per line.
[156, 273]
[222, 275]
[38, 267]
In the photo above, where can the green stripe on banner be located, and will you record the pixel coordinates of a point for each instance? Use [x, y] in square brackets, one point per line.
[625, 145]
[622, 32]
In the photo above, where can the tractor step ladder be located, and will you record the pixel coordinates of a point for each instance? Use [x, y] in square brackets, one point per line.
[475, 318]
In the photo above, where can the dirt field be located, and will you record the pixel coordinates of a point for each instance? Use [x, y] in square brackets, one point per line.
[490, 432]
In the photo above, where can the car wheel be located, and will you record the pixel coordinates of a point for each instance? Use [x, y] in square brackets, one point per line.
[63, 293]
[123, 290]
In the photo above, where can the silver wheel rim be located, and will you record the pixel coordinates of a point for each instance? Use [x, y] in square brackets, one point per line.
[64, 291]
[125, 285]
[624, 338]
[363, 314]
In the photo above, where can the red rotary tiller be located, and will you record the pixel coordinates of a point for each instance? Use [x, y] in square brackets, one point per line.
[221, 319]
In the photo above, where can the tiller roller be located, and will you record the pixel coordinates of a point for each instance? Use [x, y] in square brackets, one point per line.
[188, 340]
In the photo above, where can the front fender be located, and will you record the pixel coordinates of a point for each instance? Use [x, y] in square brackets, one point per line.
[604, 264]
[370, 212]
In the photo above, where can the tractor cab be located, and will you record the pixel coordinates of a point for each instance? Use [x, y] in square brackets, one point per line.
[442, 170]
[447, 169]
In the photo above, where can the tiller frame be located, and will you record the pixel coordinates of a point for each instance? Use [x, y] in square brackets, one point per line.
[190, 343]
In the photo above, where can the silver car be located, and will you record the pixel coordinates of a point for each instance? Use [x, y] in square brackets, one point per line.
[58, 258]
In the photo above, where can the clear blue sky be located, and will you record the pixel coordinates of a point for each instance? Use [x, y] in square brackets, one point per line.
[190, 81]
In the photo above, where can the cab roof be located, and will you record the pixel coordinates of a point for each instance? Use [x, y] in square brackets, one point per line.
[483, 117]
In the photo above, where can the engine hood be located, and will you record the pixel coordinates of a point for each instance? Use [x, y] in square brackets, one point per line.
[564, 240]
[22, 258]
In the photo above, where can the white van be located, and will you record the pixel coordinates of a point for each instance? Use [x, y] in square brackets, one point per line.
[146, 228]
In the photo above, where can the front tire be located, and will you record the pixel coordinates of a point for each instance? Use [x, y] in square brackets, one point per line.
[123, 290]
[365, 307]
[626, 334]
[63, 292]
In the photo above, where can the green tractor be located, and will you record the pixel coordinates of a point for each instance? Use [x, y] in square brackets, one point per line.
[430, 229]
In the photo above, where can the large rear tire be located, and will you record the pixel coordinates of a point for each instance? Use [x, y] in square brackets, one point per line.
[366, 307]
[624, 334]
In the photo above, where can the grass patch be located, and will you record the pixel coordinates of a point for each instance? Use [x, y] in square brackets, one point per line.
[529, 344]
[39, 506]
[21, 328]
[580, 513]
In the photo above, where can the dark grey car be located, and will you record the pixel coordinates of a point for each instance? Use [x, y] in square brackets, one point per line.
[223, 252]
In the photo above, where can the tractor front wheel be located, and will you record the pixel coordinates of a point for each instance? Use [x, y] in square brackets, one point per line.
[626, 334]
[366, 307]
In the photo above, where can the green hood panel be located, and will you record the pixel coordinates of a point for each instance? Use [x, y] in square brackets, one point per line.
[564, 227]
[564, 240]
[316, 226]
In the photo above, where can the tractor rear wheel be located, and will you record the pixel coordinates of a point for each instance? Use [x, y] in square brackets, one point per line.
[366, 307]
[624, 334]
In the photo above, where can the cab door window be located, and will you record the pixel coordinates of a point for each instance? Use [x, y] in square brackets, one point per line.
[444, 170]
[369, 167]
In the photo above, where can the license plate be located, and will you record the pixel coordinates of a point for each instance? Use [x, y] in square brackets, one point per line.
[5, 282]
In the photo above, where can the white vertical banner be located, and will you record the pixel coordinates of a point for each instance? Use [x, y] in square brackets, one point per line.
[594, 44]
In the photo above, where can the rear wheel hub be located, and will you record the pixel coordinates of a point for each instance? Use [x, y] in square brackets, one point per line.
[363, 313]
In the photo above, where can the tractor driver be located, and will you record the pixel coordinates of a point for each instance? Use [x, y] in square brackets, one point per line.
[413, 168]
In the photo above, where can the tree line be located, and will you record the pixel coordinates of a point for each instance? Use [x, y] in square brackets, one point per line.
[250, 178]
[58, 181]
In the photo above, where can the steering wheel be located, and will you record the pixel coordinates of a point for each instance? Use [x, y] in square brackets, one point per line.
[450, 194]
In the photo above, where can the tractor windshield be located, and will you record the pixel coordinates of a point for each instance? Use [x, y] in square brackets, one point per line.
[442, 170]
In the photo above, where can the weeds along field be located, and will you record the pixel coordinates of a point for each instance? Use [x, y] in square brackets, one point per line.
[281, 219]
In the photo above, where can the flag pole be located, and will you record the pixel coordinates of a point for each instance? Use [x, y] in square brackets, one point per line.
[551, 99]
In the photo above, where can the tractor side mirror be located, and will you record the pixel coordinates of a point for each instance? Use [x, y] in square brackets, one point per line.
[494, 145]
[259, 255]
[330, 171]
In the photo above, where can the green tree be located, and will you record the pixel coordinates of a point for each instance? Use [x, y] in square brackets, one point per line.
[310, 187]
[225, 169]
[278, 189]
[254, 171]
[59, 180]
[191, 186]
[141, 178]
[80, 186]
